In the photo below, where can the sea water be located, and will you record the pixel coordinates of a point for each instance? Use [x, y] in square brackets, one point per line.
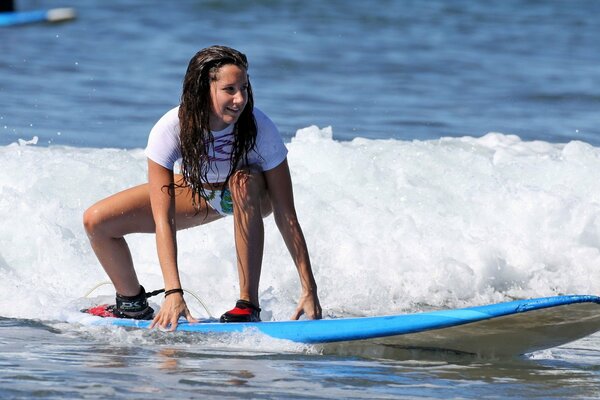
[443, 154]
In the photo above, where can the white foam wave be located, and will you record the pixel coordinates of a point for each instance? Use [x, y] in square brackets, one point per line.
[391, 225]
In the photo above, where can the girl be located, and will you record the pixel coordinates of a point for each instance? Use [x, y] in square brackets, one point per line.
[233, 162]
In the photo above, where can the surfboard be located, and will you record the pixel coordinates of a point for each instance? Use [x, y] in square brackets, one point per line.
[28, 17]
[498, 330]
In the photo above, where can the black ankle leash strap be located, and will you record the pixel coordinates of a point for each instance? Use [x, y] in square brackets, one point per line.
[132, 303]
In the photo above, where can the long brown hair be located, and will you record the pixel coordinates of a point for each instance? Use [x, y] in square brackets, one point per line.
[194, 113]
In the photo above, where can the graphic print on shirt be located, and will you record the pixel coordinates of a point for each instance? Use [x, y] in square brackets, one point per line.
[222, 148]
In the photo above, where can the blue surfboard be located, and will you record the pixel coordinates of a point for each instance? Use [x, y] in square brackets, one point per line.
[28, 17]
[503, 329]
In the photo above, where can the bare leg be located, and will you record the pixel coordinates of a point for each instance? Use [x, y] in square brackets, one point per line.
[129, 211]
[250, 204]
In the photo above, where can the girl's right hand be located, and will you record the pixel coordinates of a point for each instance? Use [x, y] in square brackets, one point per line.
[173, 307]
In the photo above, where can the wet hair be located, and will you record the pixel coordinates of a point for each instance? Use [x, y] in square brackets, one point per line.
[194, 115]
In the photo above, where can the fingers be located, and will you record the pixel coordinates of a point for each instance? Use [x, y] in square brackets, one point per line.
[311, 310]
[168, 316]
[188, 316]
[173, 323]
[319, 313]
[165, 321]
[314, 314]
[298, 313]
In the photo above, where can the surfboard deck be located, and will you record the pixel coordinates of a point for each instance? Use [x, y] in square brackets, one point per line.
[500, 330]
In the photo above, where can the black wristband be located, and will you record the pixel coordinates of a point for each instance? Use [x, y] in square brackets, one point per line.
[168, 292]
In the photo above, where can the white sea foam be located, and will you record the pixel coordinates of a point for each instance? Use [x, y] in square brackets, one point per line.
[392, 226]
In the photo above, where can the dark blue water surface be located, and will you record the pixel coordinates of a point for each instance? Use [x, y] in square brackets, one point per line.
[376, 69]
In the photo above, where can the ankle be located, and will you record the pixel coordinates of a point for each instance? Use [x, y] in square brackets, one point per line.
[132, 305]
[242, 303]
[244, 311]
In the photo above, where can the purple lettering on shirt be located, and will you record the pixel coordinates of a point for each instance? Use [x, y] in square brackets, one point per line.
[222, 148]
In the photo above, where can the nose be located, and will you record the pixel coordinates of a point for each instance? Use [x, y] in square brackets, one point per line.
[240, 97]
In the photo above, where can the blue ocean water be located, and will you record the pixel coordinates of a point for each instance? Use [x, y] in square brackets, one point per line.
[377, 69]
[444, 154]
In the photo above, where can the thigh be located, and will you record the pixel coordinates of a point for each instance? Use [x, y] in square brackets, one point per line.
[130, 211]
[187, 216]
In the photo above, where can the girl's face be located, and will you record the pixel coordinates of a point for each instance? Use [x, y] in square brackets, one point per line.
[229, 95]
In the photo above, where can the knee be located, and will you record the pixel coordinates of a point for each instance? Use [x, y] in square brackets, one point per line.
[247, 189]
[92, 220]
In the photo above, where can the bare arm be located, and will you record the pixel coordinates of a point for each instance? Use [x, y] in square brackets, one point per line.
[279, 184]
[162, 200]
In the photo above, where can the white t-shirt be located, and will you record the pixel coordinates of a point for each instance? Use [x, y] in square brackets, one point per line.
[163, 146]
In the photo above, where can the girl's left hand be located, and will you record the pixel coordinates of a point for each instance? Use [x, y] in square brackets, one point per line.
[308, 305]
